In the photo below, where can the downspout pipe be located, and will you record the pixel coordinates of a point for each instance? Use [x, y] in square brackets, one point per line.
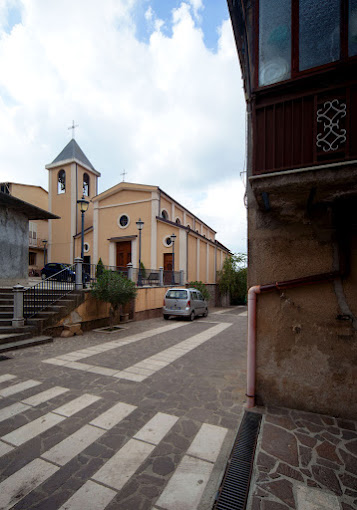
[252, 320]
[251, 355]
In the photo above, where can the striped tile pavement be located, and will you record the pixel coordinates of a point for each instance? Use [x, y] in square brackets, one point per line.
[142, 419]
[189, 479]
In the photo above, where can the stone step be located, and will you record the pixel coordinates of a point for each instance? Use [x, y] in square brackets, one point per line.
[29, 342]
[10, 336]
[5, 322]
[21, 329]
[6, 308]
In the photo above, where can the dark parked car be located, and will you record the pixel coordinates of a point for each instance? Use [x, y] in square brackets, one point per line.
[64, 274]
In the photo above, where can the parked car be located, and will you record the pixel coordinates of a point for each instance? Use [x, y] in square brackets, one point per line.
[184, 303]
[63, 272]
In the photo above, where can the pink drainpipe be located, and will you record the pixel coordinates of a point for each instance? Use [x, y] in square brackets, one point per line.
[252, 319]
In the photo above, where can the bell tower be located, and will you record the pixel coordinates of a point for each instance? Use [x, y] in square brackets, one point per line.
[70, 176]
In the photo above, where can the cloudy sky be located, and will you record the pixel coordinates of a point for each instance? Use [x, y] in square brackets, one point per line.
[154, 86]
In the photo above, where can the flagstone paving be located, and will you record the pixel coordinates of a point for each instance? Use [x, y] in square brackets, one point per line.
[305, 461]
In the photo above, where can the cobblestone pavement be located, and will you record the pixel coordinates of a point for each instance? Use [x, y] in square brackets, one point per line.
[305, 461]
[141, 418]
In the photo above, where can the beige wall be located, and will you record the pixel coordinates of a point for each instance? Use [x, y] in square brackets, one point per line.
[108, 226]
[192, 258]
[164, 230]
[149, 298]
[61, 232]
[167, 205]
[212, 268]
[65, 205]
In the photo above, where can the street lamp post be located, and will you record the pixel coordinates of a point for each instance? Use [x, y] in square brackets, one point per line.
[44, 251]
[83, 207]
[173, 238]
[140, 225]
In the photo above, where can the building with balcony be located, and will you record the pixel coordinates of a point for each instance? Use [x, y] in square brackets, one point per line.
[299, 66]
[38, 228]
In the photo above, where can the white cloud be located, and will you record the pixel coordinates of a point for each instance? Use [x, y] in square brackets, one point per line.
[170, 112]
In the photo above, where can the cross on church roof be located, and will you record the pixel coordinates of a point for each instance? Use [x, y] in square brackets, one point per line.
[73, 127]
[124, 174]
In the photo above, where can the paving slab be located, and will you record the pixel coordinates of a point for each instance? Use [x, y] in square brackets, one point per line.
[304, 461]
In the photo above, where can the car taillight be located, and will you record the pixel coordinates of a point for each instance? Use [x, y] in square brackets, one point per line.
[188, 304]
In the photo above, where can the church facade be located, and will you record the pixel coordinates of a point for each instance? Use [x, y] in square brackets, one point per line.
[110, 230]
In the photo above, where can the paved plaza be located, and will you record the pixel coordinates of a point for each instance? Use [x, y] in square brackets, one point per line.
[143, 418]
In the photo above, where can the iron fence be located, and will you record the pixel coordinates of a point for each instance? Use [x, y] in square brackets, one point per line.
[90, 272]
[48, 291]
[142, 277]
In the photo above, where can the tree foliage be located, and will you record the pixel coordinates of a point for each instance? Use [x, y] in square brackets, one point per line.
[232, 279]
[115, 289]
[202, 288]
[100, 268]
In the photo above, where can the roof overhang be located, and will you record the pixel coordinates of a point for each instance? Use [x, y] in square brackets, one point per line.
[31, 211]
[72, 160]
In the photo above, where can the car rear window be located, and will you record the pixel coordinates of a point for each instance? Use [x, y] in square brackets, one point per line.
[177, 294]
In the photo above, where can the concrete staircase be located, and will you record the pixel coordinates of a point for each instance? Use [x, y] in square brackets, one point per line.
[33, 333]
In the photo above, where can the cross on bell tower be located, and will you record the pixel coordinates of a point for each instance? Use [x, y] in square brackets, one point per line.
[73, 127]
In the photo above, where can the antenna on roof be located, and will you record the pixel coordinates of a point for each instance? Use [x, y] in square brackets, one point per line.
[73, 127]
[123, 174]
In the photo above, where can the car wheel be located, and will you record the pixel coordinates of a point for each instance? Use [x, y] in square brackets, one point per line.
[166, 317]
[43, 276]
[192, 316]
[206, 313]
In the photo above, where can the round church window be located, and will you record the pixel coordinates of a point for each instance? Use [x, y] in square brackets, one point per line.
[123, 221]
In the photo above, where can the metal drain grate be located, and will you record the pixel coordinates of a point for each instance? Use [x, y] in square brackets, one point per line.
[233, 492]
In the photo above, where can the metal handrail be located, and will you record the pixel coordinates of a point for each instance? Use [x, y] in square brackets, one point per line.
[48, 291]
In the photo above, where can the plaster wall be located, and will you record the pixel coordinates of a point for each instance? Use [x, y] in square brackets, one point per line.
[167, 205]
[61, 236]
[203, 262]
[178, 213]
[13, 247]
[306, 355]
[149, 298]
[163, 231]
[108, 227]
[192, 257]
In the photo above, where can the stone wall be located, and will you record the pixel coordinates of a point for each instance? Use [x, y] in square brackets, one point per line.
[306, 336]
[14, 242]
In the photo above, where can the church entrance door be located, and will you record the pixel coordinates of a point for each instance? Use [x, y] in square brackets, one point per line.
[167, 268]
[123, 253]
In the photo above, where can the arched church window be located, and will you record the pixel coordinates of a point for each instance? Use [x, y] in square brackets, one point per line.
[61, 182]
[164, 214]
[86, 185]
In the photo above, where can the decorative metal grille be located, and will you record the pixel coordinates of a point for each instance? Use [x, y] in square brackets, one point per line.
[331, 135]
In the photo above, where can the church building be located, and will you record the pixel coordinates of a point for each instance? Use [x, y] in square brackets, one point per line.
[110, 229]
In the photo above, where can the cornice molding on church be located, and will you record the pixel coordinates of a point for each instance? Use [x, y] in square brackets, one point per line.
[120, 204]
[123, 186]
[72, 160]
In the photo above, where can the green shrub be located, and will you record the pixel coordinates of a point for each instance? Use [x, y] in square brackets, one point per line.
[99, 269]
[202, 288]
[233, 278]
[112, 287]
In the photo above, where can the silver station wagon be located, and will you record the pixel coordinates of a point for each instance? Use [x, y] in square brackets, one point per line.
[184, 303]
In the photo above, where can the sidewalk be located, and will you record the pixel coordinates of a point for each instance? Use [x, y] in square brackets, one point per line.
[304, 461]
